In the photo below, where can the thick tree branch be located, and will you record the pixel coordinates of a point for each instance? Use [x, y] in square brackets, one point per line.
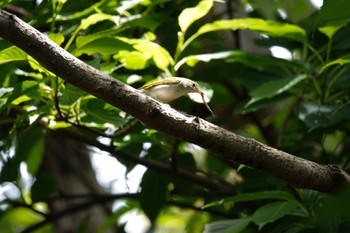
[224, 144]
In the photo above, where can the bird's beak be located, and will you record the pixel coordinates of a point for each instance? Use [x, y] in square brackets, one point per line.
[199, 91]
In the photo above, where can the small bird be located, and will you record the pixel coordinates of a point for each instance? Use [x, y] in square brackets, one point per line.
[169, 89]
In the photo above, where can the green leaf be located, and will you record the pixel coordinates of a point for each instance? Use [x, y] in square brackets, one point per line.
[253, 197]
[22, 89]
[36, 66]
[12, 54]
[228, 226]
[10, 170]
[320, 116]
[93, 19]
[154, 190]
[270, 28]
[254, 60]
[30, 148]
[104, 46]
[340, 61]
[273, 88]
[190, 15]
[333, 11]
[5, 90]
[43, 186]
[83, 40]
[273, 211]
[103, 112]
[160, 56]
[133, 60]
[243, 107]
[331, 28]
[58, 38]
[71, 94]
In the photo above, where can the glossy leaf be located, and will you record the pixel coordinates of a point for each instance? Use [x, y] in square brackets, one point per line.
[249, 59]
[190, 15]
[21, 90]
[228, 226]
[104, 46]
[133, 60]
[95, 18]
[270, 28]
[58, 38]
[320, 116]
[273, 211]
[161, 57]
[12, 54]
[276, 87]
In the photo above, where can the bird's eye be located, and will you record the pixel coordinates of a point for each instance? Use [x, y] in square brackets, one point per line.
[194, 85]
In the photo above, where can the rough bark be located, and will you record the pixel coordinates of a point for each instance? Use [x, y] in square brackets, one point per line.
[224, 144]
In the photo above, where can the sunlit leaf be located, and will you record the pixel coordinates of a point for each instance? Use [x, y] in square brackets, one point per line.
[5, 90]
[58, 38]
[330, 29]
[93, 19]
[270, 28]
[273, 88]
[190, 15]
[228, 226]
[12, 54]
[22, 89]
[133, 60]
[104, 46]
[161, 56]
[249, 59]
[36, 66]
[273, 211]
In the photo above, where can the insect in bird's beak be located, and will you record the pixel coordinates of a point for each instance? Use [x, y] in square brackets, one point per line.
[205, 102]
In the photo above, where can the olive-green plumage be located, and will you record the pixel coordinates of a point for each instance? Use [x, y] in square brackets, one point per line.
[169, 89]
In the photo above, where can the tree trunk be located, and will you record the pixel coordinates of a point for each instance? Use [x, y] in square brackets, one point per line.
[68, 161]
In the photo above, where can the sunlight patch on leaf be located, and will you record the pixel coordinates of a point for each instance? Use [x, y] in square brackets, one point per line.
[58, 38]
[12, 54]
[93, 19]
[192, 14]
[270, 28]
[249, 59]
